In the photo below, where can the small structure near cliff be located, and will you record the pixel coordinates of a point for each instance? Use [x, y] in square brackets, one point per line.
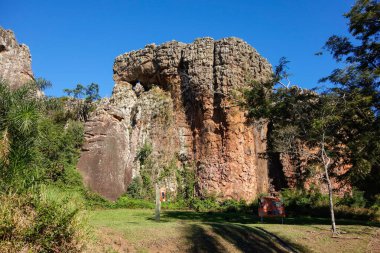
[15, 60]
[185, 112]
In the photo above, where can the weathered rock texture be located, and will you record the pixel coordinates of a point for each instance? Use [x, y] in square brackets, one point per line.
[177, 97]
[15, 60]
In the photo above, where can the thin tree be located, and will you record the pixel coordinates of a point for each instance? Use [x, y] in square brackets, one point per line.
[304, 122]
[357, 82]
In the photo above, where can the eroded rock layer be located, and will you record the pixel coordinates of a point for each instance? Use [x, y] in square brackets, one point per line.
[179, 98]
[15, 60]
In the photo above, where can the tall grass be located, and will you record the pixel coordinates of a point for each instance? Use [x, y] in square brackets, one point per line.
[43, 221]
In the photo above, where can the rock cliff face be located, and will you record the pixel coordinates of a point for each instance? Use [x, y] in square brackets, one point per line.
[177, 97]
[15, 60]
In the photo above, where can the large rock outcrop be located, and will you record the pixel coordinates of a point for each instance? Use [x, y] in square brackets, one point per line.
[179, 98]
[15, 60]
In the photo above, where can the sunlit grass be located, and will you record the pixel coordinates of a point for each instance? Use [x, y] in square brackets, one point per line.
[231, 232]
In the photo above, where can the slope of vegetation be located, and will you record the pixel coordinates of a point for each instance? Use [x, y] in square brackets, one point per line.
[40, 142]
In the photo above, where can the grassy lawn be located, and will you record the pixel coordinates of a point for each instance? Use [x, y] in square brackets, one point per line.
[127, 230]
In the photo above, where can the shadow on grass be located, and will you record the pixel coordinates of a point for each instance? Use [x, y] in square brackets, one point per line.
[249, 239]
[249, 218]
[201, 241]
[206, 238]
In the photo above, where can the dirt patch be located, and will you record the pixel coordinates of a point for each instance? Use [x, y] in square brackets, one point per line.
[374, 244]
[108, 240]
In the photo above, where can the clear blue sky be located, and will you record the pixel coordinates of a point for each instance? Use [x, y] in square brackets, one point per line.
[77, 41]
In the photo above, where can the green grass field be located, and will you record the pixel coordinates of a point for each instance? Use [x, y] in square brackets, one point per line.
[126, 230]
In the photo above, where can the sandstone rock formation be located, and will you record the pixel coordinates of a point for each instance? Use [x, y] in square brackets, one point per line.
[177, 97]
[15, 60]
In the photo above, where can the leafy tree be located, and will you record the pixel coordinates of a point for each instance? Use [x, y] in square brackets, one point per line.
[92, 92]
[83, 98]
[339, 125]
[357, 83]
[89, 92]
[303, 122]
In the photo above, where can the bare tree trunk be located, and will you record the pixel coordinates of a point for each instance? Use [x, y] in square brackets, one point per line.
[333, 226]
[158, 204]
[326, 163]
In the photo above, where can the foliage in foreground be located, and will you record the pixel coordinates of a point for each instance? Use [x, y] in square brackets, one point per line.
[39, 149]
[37, 222]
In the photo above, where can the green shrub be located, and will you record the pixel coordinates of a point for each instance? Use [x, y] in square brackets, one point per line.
[358, 213]
[210, 204]
[144, 152]
[40, 223]
[356, 199]
[126, 202]
[71, 178]
[95, 201]
[302, 202]
[206, 204]
[376, 203]
[231, 205]
[135, 188]
[41, 192]
[179, 204]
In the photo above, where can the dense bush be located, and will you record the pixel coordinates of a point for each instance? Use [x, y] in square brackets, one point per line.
[206, 204]
[40, 222]
[126, 202]
[302, 202]
[95, 201]
[135, 188]
[229, 205]
[314, 203]
[358, 213]
[179, 204]
[36, 148]
[356, 199]
[40, 190]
